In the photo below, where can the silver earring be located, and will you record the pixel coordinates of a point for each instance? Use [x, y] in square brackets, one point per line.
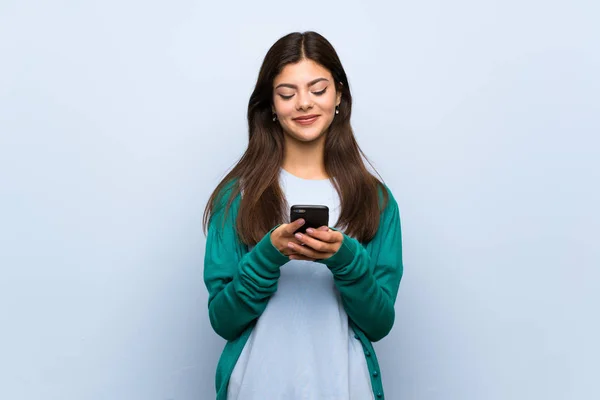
[274, 117]
[337, 110]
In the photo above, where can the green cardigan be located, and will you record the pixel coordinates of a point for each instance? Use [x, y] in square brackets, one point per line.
[240, 283]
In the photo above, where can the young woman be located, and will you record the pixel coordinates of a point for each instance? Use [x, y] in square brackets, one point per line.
[300, 312]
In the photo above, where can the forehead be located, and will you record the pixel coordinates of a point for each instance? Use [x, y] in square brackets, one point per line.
[301, 73]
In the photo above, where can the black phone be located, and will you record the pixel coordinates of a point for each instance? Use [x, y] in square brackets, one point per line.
[315, 216]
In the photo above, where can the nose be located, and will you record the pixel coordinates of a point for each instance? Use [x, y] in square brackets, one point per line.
[304, 102]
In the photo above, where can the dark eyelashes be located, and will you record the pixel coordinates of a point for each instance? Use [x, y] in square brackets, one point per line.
[322, 92]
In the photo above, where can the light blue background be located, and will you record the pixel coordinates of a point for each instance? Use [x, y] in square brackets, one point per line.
[117, 119]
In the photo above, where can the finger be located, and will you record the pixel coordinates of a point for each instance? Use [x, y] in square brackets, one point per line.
[313, 248]
[295, 241]
[294, 225]
[329, 236]
[288, 251]
[285, 249]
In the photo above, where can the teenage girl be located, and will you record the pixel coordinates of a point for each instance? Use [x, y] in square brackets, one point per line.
[300, 311]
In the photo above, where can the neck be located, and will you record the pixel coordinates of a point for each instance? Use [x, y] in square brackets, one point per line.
[305, 160]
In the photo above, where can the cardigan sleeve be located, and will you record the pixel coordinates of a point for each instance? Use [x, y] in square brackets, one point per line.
[239, 282]
[368, 280]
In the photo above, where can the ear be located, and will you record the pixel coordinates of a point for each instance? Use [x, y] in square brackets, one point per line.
[338, 99]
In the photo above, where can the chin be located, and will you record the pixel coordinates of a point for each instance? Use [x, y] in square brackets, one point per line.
[307, 135]
[306, 138]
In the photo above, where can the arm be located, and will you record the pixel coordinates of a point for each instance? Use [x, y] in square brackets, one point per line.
[368, 280]
[239, 282]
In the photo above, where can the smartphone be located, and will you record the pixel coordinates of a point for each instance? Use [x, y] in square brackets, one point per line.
[315, 216]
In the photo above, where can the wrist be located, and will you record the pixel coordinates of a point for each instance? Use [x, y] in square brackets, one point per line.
[344, 254]
[274, 236]
[266, 249]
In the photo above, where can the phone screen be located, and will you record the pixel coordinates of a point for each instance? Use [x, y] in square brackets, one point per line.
[315, 216]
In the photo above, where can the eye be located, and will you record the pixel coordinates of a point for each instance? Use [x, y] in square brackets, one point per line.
[322, 92]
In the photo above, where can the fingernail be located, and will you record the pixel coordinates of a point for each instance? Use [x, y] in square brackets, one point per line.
[310, 230]
[300, 221]
[290, 245]
[299, 235]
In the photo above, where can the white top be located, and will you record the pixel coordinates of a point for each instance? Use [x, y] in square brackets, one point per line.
[302, 347]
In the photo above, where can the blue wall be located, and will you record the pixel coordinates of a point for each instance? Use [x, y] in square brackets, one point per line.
[117, 119]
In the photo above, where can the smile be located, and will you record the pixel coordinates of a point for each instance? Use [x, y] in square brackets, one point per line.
[306, 121]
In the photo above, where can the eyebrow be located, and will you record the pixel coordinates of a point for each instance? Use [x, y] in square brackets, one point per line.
[289, 85]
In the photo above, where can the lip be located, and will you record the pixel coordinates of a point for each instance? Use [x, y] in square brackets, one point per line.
[306, 119]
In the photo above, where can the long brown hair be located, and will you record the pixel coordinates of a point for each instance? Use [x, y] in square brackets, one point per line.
[256, 174]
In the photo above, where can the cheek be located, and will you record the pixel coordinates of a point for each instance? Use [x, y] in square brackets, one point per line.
[328, 103]
[283, 108]
[328, 110]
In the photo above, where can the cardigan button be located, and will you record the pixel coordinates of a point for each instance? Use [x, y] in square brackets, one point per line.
[379, 394]
[375, 374]
[368, 353]
[355, 336]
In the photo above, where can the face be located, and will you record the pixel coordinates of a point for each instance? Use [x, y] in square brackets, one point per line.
[301, 90]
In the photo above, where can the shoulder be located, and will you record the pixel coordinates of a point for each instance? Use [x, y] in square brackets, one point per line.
[386, 198]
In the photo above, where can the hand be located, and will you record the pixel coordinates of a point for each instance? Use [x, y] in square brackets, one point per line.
[319, 244]
[284, 234]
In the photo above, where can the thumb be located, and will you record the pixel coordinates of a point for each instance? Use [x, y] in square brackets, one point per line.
[291, 227]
